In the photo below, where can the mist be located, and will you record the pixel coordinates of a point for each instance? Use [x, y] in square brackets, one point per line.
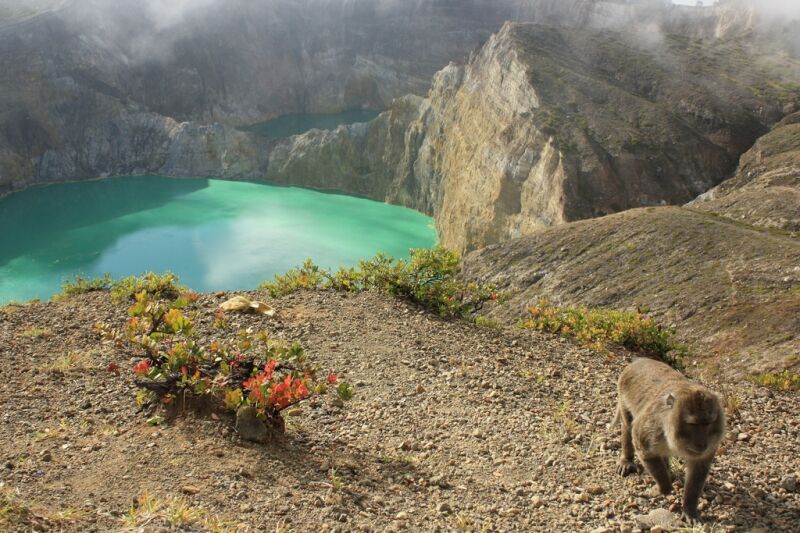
[778, 8]
[149, 30]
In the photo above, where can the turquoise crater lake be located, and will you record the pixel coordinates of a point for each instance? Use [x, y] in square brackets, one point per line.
[217, 235]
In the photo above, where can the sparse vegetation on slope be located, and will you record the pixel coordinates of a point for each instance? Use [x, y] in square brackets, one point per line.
[729, 290]
[17, 515]
[782, 381]
[159, 285]
[430, 278]
[174, 512]
[600, 329]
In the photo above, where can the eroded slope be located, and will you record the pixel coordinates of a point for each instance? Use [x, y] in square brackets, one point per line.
[765, 191]
[732, 291]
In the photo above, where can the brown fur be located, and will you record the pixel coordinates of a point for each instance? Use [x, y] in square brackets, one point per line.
[664, 415]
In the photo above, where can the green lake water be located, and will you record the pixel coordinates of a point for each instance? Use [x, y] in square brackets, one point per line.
[289, 125]
[217, 235]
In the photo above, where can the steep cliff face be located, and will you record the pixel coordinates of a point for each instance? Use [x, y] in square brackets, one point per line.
[119, 140]
[548, 125]
[92, 87]
[461, 154]
[711, 269]
[765, 191]
[500, 174]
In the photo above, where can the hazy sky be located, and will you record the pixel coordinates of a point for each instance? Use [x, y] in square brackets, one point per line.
[780, 7]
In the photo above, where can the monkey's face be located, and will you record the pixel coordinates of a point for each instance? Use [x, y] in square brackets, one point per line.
[697, 422]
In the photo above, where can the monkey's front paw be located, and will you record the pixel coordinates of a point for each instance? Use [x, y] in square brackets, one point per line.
[655, 492]
[626, 468]
[691, 517]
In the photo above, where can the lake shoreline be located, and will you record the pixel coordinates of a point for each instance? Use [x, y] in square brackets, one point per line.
[215, 234]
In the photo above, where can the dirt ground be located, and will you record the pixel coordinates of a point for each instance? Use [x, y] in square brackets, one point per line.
[453, 427]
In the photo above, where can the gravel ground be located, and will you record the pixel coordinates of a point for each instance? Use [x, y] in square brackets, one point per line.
[453, 428]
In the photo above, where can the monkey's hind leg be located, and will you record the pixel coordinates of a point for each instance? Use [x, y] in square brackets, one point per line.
[657, 467]
[626, 465]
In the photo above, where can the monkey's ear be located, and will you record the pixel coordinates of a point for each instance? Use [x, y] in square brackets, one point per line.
[669, 400]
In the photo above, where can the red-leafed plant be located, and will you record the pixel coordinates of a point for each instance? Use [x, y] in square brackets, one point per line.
[251, 369]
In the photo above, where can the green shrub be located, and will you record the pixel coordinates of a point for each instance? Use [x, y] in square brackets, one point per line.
[782, 381]
[598, 328]
[81, 285]
[309, 276]
[159, 286]
[429, 278]
[490, 323]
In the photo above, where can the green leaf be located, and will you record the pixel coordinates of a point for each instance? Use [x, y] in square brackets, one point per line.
[344, 391]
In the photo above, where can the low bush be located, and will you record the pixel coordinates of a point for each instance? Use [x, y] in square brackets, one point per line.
[489, 323]
[81, 285]
[309, 276]
[160, 285]
[251, 369]
[157, 285]
[428, 278]
[783, 381]
[598, 328]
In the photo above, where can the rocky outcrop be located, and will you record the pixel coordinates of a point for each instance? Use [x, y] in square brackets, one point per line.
[731, 291]
[101, 87]
[765, 191]
[545, 126]
[123, 142]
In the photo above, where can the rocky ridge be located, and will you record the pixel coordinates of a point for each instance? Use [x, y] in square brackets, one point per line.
[724, 270]
[545, 126]
[732, 291]
[83, 95]
[765, 191]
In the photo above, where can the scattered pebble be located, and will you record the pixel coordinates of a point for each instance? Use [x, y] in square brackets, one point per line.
[442, 439]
